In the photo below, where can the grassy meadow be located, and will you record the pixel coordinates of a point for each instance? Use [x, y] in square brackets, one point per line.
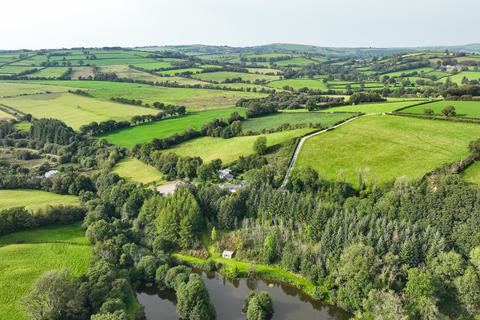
[462, 108]
[135, 170]
[387, 147]
[228, 150]
[50, 72]
[9, 89]
[193, 99]
[34, 199]
[472, 173]
[293, 118]
[24, 256]
[129, 137]
[373, 108]
[300, 83]
[221, 76]
[73, 109]
[5, 116]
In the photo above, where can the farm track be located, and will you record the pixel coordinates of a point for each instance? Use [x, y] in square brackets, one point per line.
[11, 111]
[300, 144]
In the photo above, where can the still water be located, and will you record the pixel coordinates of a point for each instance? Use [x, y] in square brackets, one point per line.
[228, 297]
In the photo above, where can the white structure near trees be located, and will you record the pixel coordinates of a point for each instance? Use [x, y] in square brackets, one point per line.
[228, 254]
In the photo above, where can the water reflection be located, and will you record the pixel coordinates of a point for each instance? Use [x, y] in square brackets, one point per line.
[228, 297]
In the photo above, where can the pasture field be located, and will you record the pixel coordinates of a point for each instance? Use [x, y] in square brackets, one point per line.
[300, 83]
[23, 263]
[34, 199]
[463, 108]
[177, 71]
[50, 72]
[5, 116]
[135, 170]
[472, 173]
[123, 71]
[297, 61]
[11, 69]
[193, 99]
[263, 70]
[438, 74]
[129, 137]
[228, 150]
[9, 89]
[23, 126]
[386, 147]
[369, 108]
[420, 71]
[456, 78]
[83, 72]
[221, 76]
[293, 118]
[73, 109]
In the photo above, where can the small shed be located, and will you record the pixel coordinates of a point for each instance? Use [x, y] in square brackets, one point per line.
[228, 254]
[50, 173]
[226, 174]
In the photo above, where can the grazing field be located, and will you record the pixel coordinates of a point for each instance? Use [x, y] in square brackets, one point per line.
[178, 71]
[462, 108]
[125, 72]
[73, 109]
[298, 61]
[51, 72]
[300, 83]
[370, 108]
[137, 171]
[11, 69]
[82, 72]
[9, 89]
[129, 137]
[221, 76]
[5, 116]
[34, 199]
[387, 147]
[193, 99]
[457, 78]
[21, 264]
[420, 71]
[228, 150]
[293, 118]
[264, 70]
[472, 173]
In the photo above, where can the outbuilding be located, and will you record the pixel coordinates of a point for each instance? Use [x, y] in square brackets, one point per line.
[228, 254]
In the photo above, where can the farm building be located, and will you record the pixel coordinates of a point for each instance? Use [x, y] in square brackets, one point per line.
[228, 254]
[226, 174]
[50, 173]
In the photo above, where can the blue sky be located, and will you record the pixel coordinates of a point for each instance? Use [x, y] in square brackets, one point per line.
[341, 23]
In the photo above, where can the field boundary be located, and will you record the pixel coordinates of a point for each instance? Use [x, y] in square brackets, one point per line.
[417, 104]
[11, 111]
[302, 141]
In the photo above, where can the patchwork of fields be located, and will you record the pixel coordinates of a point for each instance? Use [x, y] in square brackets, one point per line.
[387, 147]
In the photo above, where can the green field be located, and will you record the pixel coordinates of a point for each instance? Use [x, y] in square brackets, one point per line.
[300, 83]
[462, 108]
[293, 118]
[34, 199]
[371, 108]
[408, 71]
[137, 171]
[472, 173]
[129, 137]
[9, 89]
[387, 147]
[73, 109]
[457, 78]
[52, 72]
[221, 76]
[21, 264]
[177, 71]
[228, 150]
[194, 99]
[123, 71]
[11, 69]
[298, 61]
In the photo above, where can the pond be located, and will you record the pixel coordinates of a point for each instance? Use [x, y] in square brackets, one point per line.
[228, 298]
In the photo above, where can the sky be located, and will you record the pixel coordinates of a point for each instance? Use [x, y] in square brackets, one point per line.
[36, 24]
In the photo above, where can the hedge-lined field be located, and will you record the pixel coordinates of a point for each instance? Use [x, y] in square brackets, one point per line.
[379, 107]
[462, 108]
[129, 137]
[293, 118]
[73, 109]
[387, 147]
[22, 264]
[34, 199]
[135, 170]
[228, 150]
[193, 99]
